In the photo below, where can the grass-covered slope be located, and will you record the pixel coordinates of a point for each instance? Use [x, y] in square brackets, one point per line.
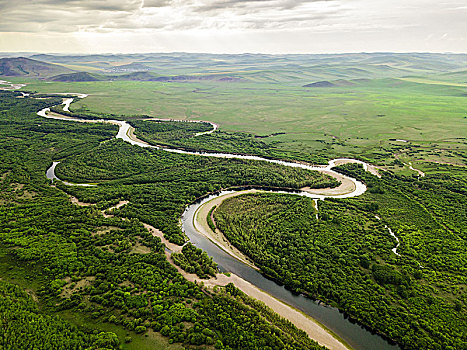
[29, 68]
[78, 76]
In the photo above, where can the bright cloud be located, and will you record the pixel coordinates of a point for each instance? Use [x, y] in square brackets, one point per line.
[233, 25]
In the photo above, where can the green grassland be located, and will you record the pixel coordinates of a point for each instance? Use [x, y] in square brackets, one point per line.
[358, 120]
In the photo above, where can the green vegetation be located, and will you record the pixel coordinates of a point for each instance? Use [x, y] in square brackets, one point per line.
[160, 184]
[181, 136]
[209, 220]
[102, 281]
[345, 258]
[194, 260]
[24, 327]
[113, 276]
[167, 133]
[361, 121]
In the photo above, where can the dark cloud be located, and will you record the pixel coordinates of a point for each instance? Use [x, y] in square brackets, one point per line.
[98, 5]
[155, 3]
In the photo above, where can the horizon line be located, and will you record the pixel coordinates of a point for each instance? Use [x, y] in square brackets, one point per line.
[237, 53]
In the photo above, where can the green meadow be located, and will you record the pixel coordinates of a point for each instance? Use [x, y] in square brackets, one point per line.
[361, 120]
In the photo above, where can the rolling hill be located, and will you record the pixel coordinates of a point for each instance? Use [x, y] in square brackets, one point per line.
[139, 76]
[325, 83]
[78, 76]
[26, 67]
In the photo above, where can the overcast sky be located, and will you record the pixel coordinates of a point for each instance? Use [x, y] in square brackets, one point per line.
[233, 26]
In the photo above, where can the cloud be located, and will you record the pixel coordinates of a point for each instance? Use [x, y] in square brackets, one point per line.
[409, 19]
[275, 5]
[144, 15]
[156, 3]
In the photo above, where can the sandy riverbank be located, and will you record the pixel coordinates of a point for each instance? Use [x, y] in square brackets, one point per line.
[201, 225]
[346, 186]
[311, 327]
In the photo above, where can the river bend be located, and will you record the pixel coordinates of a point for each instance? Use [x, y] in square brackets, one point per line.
[353, 334]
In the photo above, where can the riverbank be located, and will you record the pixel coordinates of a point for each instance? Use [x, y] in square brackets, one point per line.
[217, 237]
[312, 328]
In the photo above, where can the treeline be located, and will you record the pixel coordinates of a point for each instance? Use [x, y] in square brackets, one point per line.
[209, 220]
[168, 132]
[345, 257]
[82, 114]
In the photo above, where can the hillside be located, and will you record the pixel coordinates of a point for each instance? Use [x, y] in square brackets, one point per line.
[26, 67]
[261, 68]
[78, 76]
[128, 68]
[139, 76]
[325, 83]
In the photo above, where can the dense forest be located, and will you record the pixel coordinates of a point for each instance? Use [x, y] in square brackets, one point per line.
[418, 298]
[195, 260]
[23, 326]
[72, 278]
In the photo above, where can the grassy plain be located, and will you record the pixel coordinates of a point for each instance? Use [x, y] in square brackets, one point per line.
[361, 120]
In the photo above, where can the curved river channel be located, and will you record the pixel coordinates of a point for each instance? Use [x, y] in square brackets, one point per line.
[353, 334]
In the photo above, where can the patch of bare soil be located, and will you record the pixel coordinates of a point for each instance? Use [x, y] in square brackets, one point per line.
[105, 230]
[138, 248]
[346, 186]
[72, 287]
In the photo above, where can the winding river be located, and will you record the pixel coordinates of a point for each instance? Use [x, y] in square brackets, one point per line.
[353, 334]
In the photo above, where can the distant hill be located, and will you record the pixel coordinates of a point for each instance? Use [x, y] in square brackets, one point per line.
[85, 76]
[320, 84]
[128, 68]
[135, 76]
[139, 76]
[296, 69]
[26, 67]
[334, 83]
[78, 76]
